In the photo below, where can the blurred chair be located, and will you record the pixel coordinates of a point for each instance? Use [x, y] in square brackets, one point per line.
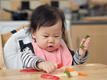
[3, 40]
[2, 65]
[6, 36]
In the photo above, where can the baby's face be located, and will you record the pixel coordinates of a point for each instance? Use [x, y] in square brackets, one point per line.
[49, 38]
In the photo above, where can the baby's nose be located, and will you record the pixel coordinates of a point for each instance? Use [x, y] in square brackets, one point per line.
[51, 39]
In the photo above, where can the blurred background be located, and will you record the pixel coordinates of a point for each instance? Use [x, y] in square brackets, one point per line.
[80, 9]
[82, 17]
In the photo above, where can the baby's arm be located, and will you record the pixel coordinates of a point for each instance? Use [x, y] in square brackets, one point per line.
[31, 61]
[81, 54]
[78, 59]
[84, 45]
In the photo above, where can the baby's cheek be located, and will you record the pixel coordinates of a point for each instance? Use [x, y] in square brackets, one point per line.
[41, 45]
[57, 45]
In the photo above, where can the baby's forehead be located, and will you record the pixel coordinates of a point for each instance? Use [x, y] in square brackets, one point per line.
[51, 29]
[51, 32]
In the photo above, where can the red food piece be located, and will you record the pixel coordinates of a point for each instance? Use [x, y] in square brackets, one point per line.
[28, 70]
[59, 66]
[48, 76]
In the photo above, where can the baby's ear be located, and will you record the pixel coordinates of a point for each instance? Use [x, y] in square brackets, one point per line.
[33, 33]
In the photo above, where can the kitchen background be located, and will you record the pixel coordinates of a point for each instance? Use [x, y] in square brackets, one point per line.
[77, 9]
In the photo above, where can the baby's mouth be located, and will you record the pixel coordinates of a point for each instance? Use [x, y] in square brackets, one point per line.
[50, 46]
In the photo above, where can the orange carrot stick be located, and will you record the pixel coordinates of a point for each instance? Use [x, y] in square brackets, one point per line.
[82, 74]
[69, 69]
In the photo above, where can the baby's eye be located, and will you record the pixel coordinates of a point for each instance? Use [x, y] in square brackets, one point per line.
[56, 36]
[46, 36]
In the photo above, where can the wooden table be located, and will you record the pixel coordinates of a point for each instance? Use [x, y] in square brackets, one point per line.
[94, 71]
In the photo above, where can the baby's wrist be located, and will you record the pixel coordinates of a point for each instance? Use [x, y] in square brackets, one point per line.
[82, 52]
[39, 64]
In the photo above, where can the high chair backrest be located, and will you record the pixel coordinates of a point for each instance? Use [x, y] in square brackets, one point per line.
[3, 40]
[6, 36]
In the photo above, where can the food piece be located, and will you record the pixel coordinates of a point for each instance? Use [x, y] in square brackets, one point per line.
[48, 76]
[82, 74]
[71, 74]
[59, 66]
[74, 73]
[82, 45]
[87, 36]
[68, 74]
[28, 70]
[60, 75]
[69, 69]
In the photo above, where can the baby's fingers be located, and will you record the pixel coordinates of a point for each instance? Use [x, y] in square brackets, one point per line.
[86, 44]
[83, 40]
[49, 67]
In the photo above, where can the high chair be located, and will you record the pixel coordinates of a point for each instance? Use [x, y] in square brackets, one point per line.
[3, 40]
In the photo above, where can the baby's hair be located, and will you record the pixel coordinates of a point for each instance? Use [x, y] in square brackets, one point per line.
[46, 15]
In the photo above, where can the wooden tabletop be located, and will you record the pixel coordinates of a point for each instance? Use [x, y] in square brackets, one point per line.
[94, 71]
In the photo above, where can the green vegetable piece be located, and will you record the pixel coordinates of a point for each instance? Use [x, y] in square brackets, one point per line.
[87, 36]
[67, 73]
[82, 45]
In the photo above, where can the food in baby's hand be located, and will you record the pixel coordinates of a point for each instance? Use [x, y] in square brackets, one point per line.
[86, 37]
[82, 45]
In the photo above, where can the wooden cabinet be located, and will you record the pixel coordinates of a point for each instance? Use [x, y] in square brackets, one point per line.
[98, 45]
[98, 2]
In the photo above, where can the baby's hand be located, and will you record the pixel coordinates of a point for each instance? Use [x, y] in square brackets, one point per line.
[84, 45]
[47, 66]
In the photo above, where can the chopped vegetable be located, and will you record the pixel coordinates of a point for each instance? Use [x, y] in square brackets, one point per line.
[69, 69]
[60, 75]
[71, 72]
[82, 74]
[59, 66]
[67, 73]
[82, 45]
[87, 36]
[74, 73]
[28, 70]
[48, 76]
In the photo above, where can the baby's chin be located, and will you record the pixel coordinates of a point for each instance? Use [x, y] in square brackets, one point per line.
[51, 50]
